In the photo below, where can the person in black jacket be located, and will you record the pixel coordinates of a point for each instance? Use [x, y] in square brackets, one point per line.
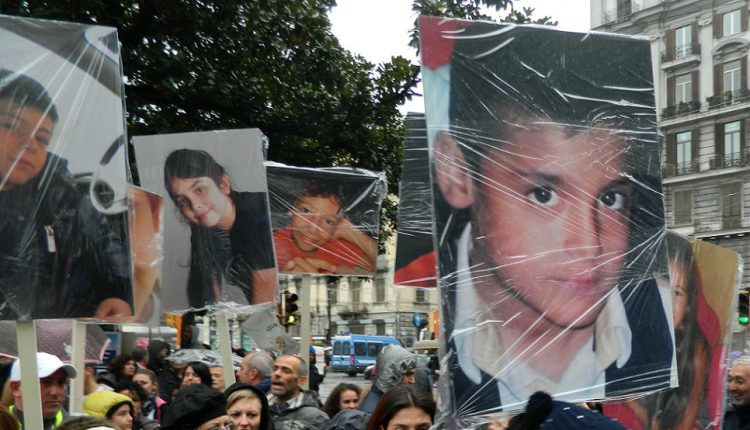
[59, 256]
[231, 245]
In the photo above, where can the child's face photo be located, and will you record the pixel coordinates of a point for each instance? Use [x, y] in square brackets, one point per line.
[314, 221]
[552, 210]
[678, 278]
[201, 201]
[25, 133]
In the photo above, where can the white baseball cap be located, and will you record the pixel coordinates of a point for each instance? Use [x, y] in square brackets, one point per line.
[46, 364]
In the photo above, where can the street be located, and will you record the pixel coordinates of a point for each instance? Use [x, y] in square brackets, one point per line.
[332, 379]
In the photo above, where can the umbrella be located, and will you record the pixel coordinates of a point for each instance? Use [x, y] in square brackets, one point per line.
[426, 344]
[55, 337]
[206, 356]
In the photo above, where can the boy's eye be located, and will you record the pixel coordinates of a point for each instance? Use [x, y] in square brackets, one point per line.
[199, 189]
[330, 222]
[305, 210]
[544, 195]
[180, 203]
[613, 199]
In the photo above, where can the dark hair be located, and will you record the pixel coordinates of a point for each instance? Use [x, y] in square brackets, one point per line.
[321, 188]
[200, 369]
[134, 388]
[332, 405]
[139, 353]
[397, 398]
[669, 406]
[155, 362]
[7, 420]
[191, 163]
[25, 91]
[116, 365]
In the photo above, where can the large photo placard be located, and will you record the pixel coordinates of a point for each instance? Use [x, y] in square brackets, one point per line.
[325, 220]
[548, 214]
[703, 281]
[63, 203]
[217, 233]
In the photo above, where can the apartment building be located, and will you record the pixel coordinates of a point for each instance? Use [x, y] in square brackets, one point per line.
[699, 50]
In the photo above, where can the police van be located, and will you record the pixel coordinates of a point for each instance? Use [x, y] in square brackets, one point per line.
[354, 352]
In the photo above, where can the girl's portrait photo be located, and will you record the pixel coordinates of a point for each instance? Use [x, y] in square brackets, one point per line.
[548, 214]
[325, 221]
[218, 246]
[702, 282]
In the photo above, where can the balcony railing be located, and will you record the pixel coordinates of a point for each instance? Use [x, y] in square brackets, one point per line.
[682, 108]
[681, 51]
[737, 159]
[728, 97]
[680, 168]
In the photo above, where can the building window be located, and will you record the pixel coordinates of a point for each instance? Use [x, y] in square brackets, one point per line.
[731, 205]
[683, 38]
[732, 144]
[683, 88]
[684, 152]
[380, 329]
[379, 290]
[419, 295]
[355, 286]
[683, 207]
[732, 73]
[731, 23]
[333, 295]
[624, 8]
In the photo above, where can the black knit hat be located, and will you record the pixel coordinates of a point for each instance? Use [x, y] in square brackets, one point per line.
[193, 406]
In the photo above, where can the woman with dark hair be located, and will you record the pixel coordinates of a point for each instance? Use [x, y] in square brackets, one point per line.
[343, 396]
[231, 244]
[121, 368]
[196, 373]
[403, 406]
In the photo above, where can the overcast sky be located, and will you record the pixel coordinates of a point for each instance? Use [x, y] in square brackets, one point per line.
[379, 29]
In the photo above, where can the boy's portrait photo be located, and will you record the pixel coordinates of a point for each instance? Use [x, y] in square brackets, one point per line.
[325, 220]
[63, 206]
[217, 235]
[548, 214]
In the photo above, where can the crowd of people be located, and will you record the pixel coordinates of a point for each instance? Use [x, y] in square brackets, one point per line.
[135, 393]
[147, 391]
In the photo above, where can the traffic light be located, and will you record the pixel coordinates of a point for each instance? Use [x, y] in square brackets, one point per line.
[280, 311]
[743, 308]
[291, 310]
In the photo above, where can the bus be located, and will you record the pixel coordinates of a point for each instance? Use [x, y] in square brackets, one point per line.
[352, 353]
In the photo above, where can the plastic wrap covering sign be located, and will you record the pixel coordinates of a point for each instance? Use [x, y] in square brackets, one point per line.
[703, 283]
[415, 252]
[146, 246]
[548, 214]
[217, 231]
[325, 220]
[63, 205]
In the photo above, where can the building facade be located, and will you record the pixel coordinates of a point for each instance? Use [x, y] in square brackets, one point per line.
[358, 305]
[699, 51]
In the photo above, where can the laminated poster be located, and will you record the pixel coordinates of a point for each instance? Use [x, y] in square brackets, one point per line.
[217, 229]
[64, 249]
[325, 220]
[549, 220]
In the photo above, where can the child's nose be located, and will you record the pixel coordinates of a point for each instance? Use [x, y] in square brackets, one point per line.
[582, 232]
